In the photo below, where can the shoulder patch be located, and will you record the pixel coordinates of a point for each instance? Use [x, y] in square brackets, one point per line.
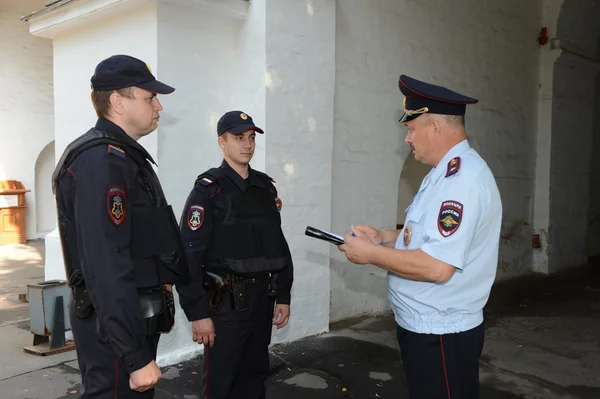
[450, 217]
[195, 217]
[118, 151]
[116, 204]
[453, 166]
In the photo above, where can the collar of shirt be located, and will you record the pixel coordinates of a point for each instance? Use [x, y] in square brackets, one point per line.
[116, 132]
[242, 183]
[440, 170]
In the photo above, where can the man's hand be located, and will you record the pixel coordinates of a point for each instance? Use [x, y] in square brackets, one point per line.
[284, 312]
[203, 331]
[376, 236]
[358, 248]
[145, 378]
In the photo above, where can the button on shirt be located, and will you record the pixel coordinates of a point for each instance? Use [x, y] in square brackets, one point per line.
[455, 217]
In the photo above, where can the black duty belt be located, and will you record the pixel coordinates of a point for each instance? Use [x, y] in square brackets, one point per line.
[246, 279]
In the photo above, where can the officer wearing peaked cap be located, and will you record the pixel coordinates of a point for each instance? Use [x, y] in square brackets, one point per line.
[121, 244]
[442, 263]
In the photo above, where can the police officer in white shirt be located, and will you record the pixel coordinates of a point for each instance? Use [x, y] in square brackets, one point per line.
[442, 264]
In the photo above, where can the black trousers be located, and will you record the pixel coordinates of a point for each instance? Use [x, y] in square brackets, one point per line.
[442, 366]
[101, 374]
[237, 366]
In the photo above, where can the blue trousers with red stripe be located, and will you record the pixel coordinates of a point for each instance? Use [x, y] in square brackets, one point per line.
[442, 366]
[101, 374]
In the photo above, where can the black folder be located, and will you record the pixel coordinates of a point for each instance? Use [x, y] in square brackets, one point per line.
[324, 235]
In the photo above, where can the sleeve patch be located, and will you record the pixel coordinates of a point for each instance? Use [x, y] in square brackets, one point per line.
[450, 217]
[117, 207]
[453, 167]
[205, 181]
[195, 218]
[114, 150]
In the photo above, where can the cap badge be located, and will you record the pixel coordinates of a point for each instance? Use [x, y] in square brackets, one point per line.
[149, 69]
[243, 116]
[411, 112]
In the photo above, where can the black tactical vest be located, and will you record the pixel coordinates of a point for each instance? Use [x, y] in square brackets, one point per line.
[249, 239]
[154, 231]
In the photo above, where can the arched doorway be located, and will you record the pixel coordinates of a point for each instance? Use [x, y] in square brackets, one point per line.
[413, 173]
[44, 200]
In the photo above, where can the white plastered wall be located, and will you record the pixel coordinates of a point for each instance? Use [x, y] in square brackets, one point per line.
[209, 56]
[300, 80]
[477, 48]
[26, 107]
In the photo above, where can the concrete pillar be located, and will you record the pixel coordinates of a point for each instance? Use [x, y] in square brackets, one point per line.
[300, 76]
[541, 212]
[593, 237]
[572, 145]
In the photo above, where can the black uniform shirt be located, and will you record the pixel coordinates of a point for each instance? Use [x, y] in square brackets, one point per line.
[215, 203]
[99, 191]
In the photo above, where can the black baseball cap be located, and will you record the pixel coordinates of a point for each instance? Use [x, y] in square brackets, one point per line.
[120, 71]
[236, 122]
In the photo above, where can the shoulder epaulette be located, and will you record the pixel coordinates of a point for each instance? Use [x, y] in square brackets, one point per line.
[205, 181]
[453, 167]
[118, 151]
[208, 177]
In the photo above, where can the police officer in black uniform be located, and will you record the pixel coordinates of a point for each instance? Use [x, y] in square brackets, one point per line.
[121, 244]
[241, 265]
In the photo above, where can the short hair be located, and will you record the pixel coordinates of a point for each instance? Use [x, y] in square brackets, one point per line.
[101, 99]
[455, 120]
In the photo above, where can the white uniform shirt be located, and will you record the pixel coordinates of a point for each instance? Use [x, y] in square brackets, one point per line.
[455, 217]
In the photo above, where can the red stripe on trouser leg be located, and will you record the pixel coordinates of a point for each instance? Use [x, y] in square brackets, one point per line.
[444, 364]
[116, 378]
[206, 380]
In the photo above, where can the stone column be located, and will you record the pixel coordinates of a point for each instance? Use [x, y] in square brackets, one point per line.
[541, 212]
[300, 76]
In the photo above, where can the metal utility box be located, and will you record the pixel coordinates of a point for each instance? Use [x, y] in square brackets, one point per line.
[12, 212]
[42, 299]
[47, 322]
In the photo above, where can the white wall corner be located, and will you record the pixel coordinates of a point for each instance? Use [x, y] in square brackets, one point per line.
[53, 21]
[237, 9]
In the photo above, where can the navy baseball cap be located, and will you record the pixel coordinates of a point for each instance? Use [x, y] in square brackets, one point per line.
[236, 122]
[121, 71]
[421, 97]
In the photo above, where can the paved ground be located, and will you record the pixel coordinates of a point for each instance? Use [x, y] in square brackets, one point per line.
[541, 342]
[19, 265]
